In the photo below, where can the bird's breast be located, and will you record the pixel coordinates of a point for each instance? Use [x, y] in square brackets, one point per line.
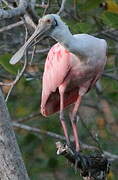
[83, 71]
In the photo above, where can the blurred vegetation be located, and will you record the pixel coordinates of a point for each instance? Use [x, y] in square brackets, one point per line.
[99, 110]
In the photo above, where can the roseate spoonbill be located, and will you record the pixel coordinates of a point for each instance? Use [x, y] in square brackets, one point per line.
[72, 67]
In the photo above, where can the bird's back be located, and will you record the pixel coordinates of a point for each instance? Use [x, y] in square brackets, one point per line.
[91, 46]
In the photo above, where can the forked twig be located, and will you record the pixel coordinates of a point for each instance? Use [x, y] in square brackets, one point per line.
[12, 84]
[47, 7]
[32, 56]
[62, 7]
[19, 74]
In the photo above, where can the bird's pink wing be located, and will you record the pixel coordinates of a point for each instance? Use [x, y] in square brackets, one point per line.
[56, 68]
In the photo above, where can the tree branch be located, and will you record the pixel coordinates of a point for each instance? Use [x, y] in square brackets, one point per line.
[6, 28]
[32, 12]
[111, 76]
[18, 11]
[62, 7]
[11, 163]
[84, 146]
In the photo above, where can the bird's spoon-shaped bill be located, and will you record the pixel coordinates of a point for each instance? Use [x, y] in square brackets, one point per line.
[40, 30]
[19, 54]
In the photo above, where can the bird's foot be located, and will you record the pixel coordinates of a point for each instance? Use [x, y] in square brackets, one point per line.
[82, 161]
[77, 160]
[69, 145]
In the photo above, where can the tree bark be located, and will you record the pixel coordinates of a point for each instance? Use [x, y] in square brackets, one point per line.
[11, 163]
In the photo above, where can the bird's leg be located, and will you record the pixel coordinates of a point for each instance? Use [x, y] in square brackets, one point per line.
[64, 127]
[79, 157]
[74, 123]
[62, 119]
[75, 130]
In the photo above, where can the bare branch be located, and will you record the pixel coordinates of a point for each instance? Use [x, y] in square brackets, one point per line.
[112, 157]
[29, 21]
[30, 17]
[7, 4]
[32, 56]
[19, 75]
[112, 76]
[46, 7]
[31, 11]
[31, 116]
[104, 31]
[6, 28]
[75, 8]
[18, 11]
[111, 70]
[37, 130]
[9, 92]
[62, 7]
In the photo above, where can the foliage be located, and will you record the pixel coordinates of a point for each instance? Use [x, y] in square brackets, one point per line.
[4, 62]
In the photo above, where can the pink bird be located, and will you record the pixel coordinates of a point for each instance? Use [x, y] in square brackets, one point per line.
[72, 67]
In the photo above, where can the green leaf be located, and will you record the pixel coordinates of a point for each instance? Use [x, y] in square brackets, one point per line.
[91, 4]
[110, 19]
[83, 27]
[116, 1]
[4, 62]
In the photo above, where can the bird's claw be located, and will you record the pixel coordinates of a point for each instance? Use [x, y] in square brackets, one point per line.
[70, 146]
[82, 160]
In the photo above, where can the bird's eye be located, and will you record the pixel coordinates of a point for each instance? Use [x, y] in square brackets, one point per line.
[48, 21]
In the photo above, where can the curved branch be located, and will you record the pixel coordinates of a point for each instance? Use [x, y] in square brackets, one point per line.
[18, 11]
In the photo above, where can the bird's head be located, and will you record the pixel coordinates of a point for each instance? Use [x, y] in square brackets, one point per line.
[47, 26]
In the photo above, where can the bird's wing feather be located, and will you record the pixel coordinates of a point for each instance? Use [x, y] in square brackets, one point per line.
[56, 68]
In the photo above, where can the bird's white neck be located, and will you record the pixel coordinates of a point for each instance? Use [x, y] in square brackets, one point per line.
[64, 37]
